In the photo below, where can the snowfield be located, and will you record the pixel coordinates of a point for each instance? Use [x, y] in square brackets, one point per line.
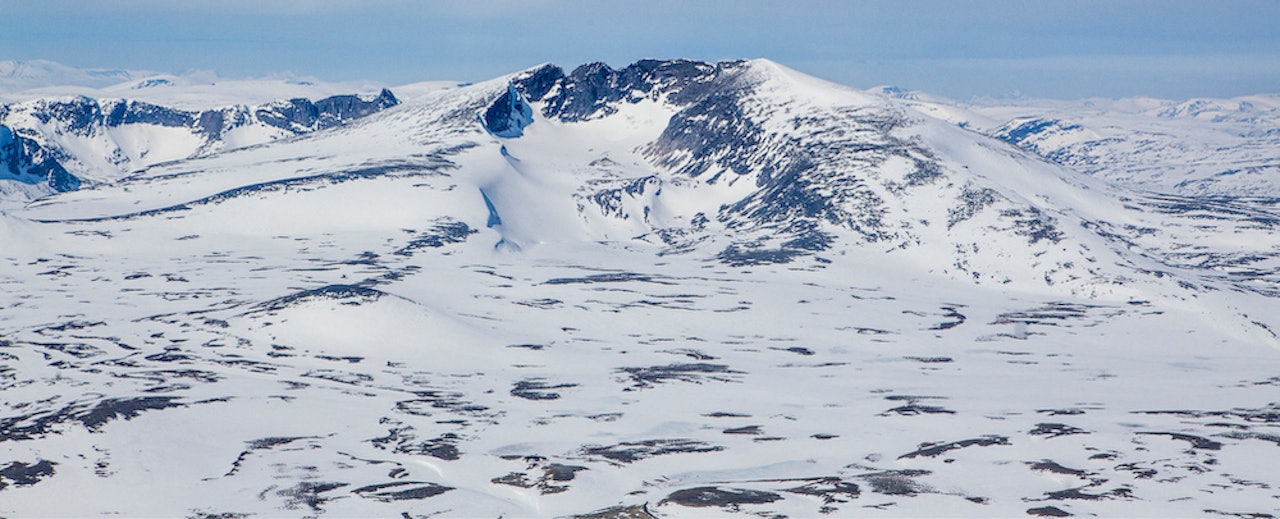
[1197, 147]
[676, 289]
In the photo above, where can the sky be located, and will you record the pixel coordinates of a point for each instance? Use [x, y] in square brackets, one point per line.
[1064, 49]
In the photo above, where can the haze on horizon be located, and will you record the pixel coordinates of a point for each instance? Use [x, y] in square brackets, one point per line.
[1087, 48]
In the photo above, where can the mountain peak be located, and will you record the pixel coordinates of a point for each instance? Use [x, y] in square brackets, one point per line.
[686, 288]
[592, 89]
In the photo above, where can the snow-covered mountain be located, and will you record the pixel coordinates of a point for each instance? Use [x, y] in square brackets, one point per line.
[27, 170]
[672, 289]
[102, 140]
[194, 90]
[91, 125]
[1210, 147]
[32, 74]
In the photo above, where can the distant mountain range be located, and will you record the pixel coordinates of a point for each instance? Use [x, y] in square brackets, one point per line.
[104, 131]
[670, 289]
[1216, 147]
[1194, 147]
[105, 140]
[31, 74]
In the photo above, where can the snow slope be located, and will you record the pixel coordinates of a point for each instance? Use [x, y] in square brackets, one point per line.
[1201, 147]
[680, 289]
[18, 76]
[102, 140]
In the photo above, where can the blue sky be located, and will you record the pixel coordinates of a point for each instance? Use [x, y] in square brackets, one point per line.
[957, 48]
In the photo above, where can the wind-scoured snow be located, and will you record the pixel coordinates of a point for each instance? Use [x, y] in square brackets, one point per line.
[681, 290]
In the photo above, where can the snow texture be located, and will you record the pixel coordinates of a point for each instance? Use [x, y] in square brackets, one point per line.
[685, 290]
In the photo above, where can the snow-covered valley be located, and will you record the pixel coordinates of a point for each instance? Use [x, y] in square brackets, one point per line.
[676, 289]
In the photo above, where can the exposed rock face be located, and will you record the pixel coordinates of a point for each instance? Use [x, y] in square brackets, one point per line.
[508, 115]
[23, 160]
[592, 90]
[50, 136]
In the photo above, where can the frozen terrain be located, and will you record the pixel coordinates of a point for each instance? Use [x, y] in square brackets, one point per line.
[56, 138]
[1222, 148]
[676, 289]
